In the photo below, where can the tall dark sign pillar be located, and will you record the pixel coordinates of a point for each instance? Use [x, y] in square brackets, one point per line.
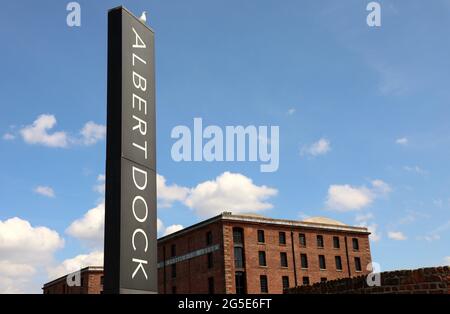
[130, 213]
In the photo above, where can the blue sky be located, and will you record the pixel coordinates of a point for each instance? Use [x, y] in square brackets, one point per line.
[363, 116]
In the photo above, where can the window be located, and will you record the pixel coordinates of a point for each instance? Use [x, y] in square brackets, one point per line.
[319, 241]
[239, 278]
[211, 285]
[338, 261]
[306, 280]
[304, 260]
[336, 243]
[323, 279]
[263, 283]
[238, 257]
[262, 258]
[238, 236]
[355, 244]
[209, 238]
[174, 290]
[174, 270]
[283, 259]
[357, 264]
[210, 260]
[322, 263]
[102, 280]
[173, 250]
[302, 239]
[261, 238]
[282, 237]
[285, 281]
[82, 282]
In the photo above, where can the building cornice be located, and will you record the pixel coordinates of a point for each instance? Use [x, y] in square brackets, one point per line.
[227, 216]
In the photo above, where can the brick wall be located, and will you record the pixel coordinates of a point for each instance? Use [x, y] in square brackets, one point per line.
[435, 280]
[91, 284]
[192, 275]
[274, 271]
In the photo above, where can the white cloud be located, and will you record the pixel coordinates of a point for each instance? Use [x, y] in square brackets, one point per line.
[91, 133]
[168, 194]
[24, 250]
[380, 187]
[364, 218]
[396, 235]
[415, 169]
[159, 225]
[162, 230]
[37, 133]
[374, 236]
[100, 186]
[347, 198]
[431, 237]
[291, 111]
[392, 81]
[9, 136]
[232, 192]
[14, 270]
[435, 234]
[76, 263]
[19, 240]
[172, 229]
[321, 147]
[90, 228]
[44, 191]
[402, 141]
[101, 177]
[447, 260]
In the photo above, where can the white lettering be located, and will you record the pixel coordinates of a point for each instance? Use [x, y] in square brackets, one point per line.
[143, 186]
[134, 208]
[140, 266]
[145, 237]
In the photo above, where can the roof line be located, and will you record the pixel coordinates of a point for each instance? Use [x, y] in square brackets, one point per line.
[271, 221]
[82, 270]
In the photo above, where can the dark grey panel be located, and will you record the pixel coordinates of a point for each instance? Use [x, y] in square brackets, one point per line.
[138, 92]
[138, 227]
[130, 240]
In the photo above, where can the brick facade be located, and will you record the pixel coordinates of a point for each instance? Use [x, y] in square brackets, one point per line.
[435, 280]
[201, 258]
[91, 283]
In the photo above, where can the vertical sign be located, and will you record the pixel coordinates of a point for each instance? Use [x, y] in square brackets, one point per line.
[130, 213]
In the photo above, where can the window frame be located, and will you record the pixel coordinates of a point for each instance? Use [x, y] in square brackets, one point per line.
[355, 244]
[306, 260]
[265, 286]
[300, 237]
[322, 258]
[263, 255]
[259, 233]
[284, 258]
[322, 242]
[336, 240]
[358, 265]
[336, 259]
[281, 235]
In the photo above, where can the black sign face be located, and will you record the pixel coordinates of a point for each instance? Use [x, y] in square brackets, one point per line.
[130, 213]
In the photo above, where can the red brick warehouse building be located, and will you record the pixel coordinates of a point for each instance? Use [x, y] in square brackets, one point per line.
[253, 254]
